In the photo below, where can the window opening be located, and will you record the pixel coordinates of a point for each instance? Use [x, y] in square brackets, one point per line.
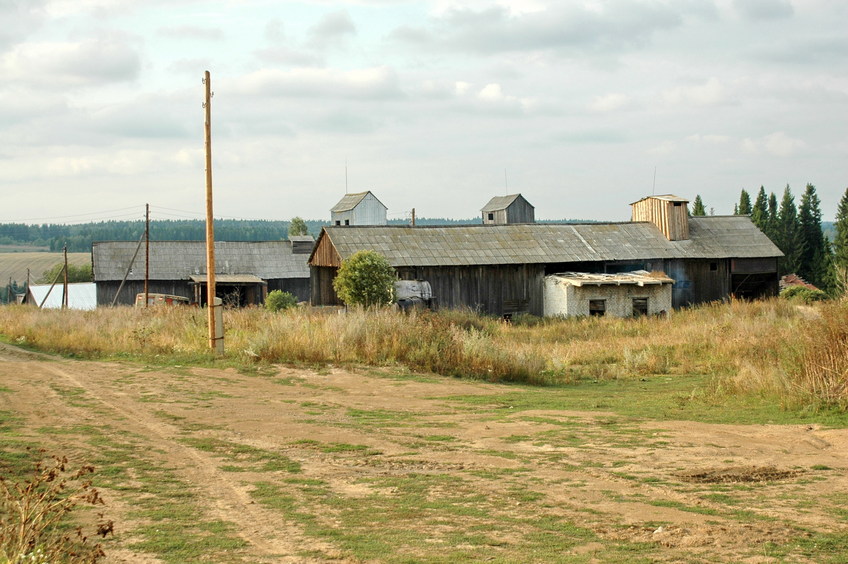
[713, 266]
[640, 306]
[597, 307]
[491, 217]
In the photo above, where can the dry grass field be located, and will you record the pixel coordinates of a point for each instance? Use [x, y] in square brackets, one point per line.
[667, 440]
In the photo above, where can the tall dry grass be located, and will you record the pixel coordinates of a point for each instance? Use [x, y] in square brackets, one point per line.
[795, 353]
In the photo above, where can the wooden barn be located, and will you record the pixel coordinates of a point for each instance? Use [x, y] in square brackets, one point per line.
[245, 271]
[500, 269]
[362, 208]
[503, 210]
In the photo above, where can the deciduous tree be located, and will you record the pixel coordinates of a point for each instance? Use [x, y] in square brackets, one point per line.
[365, 279]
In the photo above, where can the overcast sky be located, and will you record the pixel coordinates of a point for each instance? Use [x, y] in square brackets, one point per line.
[581, 106]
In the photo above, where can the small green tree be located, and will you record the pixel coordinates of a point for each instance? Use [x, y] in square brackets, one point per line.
[744, 205]
[365, 279]
[75, 274]
[297, 227]
[698, 208]
[840, 245]
[277, 300]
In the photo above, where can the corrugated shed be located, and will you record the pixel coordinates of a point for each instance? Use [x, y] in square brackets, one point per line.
[710, 238]
[177, 260]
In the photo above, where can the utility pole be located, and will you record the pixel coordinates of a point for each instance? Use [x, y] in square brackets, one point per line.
[65, 290]
[213, 303]
[146, 254]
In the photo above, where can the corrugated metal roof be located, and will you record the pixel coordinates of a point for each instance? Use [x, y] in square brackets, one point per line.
[81, 295]
[177, 260]
[500, 203]
[710, 238]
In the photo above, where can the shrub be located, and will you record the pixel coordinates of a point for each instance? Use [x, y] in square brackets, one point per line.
[277, 300]
[365, 279]
[33, 512]
[803, 294]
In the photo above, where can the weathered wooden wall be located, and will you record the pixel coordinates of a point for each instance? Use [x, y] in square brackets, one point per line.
[494, 290]
[520, 211]
[668, 215]
[106, 290]
[321, 283]
[325, 253]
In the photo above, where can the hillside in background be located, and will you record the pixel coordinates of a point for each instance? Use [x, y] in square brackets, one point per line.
[15, 265]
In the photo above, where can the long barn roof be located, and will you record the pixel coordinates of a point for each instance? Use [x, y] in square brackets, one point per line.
[178, 260]
[713, 237]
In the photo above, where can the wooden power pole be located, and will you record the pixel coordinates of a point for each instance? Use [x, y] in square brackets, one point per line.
[146, 254]
[65, 270]
[216, 331]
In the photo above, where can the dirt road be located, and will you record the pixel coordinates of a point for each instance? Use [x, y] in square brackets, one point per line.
[291, 465]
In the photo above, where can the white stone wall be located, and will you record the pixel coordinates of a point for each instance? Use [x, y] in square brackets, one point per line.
[561, 298]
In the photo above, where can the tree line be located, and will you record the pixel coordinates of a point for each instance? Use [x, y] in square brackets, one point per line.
[798, 232]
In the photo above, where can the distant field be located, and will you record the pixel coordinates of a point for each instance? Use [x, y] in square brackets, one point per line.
[15, 265]
[22, 249]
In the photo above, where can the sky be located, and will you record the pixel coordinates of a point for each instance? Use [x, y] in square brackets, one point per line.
[582, 106]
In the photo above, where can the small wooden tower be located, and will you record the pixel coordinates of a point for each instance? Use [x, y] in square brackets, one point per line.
[362, 208]
[502, 210]
[668, 212]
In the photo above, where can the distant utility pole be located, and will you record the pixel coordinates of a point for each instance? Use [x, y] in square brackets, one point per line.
[213, 304]
[65, 290]
[146, 253]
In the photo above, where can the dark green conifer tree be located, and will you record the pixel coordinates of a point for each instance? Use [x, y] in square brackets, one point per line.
[840, 245]
[744, 206]
[698, 208]
[814, 260]
[787, 233]
[760, 212]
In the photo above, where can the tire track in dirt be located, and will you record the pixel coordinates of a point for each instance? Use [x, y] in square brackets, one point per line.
[271, 539]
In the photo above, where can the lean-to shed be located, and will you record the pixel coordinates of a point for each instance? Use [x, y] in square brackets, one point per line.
[625, 294]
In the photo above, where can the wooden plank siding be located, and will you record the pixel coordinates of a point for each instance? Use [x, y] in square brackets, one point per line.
[325, 254]
[670, 216]
[494, 290]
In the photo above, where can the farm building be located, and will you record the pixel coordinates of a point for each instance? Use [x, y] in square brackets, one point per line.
[626, 294]
[81, 295]
[362, 208]
[502, 210]
[500, 269]
[245, 271]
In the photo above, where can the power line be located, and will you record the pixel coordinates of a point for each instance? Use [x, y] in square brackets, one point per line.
[89, 214]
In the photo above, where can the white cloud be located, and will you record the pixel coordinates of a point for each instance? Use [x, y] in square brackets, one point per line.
[369, 83]
[85, 63]
[710, 93]
[764, 9]
[609, 103]
[709, 139]
[778, 144]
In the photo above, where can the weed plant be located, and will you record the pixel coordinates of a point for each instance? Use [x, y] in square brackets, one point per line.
[34, 511]
[793, 354]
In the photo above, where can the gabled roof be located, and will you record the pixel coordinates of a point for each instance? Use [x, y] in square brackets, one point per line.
[350, 201]
[81, 295]
[711, 237]
[502, 202]
[178, 260]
